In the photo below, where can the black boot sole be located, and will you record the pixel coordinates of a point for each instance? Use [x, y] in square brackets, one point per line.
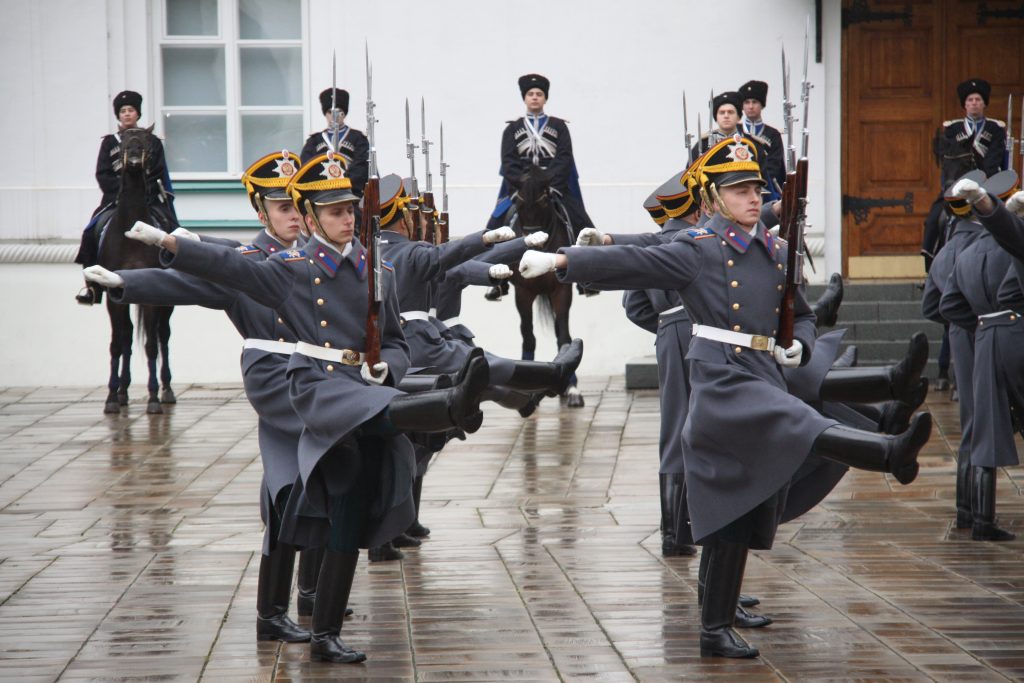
[905, 467]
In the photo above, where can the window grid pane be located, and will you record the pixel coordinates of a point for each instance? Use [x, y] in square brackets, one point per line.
[270, 76]
[263, 133]
[193, 76]
[191, 17]
[196, 142]
[269, 19]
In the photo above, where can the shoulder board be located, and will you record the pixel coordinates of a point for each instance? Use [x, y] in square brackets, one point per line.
[387, 265]
[248, 249]
[782, 241]
[293, 254]
[705, 135]
[699, 233]
[952, 122]
[998, 122]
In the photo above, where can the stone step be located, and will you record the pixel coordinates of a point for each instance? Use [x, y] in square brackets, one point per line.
[890, 330]
[908, 290]
[871, 311]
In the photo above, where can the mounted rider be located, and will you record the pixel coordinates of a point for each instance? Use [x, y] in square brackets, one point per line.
[127, 111]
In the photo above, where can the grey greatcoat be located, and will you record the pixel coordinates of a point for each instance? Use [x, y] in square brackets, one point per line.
[321, 295]
[1007, 329]
[263, 372]
[646, 308]
[745, 435]
[961, 340]
[971, 292]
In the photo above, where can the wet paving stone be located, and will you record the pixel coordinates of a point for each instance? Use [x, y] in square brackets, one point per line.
[129, 550]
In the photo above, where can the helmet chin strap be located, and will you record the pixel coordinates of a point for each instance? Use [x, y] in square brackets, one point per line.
[717, 199]
[267, 222]
[319, 228]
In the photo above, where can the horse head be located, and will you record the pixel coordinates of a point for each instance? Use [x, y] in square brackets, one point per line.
[533, 199]
[954, 157]
[135, 147]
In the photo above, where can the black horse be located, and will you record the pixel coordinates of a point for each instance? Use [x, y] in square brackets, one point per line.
[954, 158]
[537, 208]
[116, 252]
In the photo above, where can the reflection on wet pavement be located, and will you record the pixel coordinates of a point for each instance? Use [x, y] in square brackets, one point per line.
[130, 551]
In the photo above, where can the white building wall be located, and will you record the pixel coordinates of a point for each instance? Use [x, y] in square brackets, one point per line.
[618, 72]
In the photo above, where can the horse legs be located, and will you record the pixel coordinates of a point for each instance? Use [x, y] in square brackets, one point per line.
[164, 334]
[112, 405]
[524, 304]
[561, 301]
[150, 323]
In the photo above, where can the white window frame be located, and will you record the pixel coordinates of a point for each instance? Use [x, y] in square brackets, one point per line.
[226, 38]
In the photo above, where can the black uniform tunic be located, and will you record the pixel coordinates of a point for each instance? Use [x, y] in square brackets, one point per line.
[352, 145]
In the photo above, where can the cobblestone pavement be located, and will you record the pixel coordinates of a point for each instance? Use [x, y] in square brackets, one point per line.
[129, 549]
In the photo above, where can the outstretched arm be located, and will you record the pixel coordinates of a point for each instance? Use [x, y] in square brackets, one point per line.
[170, 288]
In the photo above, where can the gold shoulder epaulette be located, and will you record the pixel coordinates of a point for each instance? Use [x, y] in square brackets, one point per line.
[1001, 124]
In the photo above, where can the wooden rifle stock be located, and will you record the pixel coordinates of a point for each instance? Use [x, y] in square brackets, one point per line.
[429, 218]
[794, 193]
[369, 234]
[442, 228]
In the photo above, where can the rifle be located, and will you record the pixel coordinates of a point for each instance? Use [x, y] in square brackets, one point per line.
[1009, 132]
[335, 124]
[1021, 135]
[794, 215]
[429, 212]
[369, 232]
[414, 190]
[787, 116]
[442, 223]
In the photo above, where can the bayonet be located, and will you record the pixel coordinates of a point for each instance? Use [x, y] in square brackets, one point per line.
[805, 93]
[335, 124]
[687, 138]
[369, 233]
[699, 139]
[711, 117]
[410, 154]
[442, 222]
[787, 115]
[371, 117]
[1009, 132]
[425, 144]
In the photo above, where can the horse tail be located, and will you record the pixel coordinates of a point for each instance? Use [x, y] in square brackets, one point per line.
[546, 312]
[140, 328]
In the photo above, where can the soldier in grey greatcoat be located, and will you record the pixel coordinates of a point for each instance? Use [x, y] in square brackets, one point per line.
[965, 230]
[355, 463]
[268, 344]
[983, 295]
[745, 436]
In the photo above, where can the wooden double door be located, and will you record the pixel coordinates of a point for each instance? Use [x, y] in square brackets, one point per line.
[901, 64]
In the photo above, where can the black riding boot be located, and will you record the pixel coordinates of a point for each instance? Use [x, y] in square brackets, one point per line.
[522, 402]
[332, 591]
[896, 455]
[702, 577]
[310, 560]
[827, 305]
[983, 507]
[91, 294]
[385, 553]
[554, 377]
[724, 578]
[442, 409]
[497, 291]
[963, 493]
[895, 415]
[417, 530]
[413, 384]
[272, 593]
[901, 382]
[673, 513]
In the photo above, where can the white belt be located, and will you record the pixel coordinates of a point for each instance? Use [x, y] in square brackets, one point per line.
[1013, 315]
[452, 321]
[414, 315]
[758, 342]
[673, 310]
[269, 345]
[343, 356]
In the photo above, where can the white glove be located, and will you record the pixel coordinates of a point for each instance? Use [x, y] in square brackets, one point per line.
[789, 358]
[536, 240]
[499, 235]
[380, 369]
[101, 275]
[146, 233]
[499, 271]
[536, 263]
[590, 237]
[185, 234]
[1015, 204]
[968, 189]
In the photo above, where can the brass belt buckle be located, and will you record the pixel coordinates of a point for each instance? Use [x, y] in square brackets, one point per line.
[350, 357]
[759, 342]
